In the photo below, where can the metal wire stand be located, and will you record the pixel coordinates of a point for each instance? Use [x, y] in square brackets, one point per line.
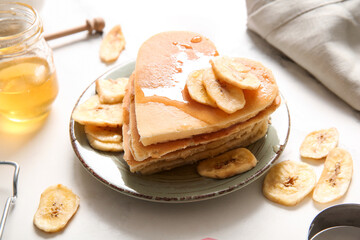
[10, 200]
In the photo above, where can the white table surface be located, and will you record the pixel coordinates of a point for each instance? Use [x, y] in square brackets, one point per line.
[46, 156]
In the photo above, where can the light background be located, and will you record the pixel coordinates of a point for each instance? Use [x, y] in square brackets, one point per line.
[46, 157]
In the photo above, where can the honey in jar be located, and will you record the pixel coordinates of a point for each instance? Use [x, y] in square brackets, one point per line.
[28, 83]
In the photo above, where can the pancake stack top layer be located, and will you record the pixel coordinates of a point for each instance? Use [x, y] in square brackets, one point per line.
[163, 108]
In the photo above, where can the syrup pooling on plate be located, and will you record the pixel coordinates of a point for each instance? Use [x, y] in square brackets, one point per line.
[186, 60]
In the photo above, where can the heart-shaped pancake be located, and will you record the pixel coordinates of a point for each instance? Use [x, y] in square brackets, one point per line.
[164, 109]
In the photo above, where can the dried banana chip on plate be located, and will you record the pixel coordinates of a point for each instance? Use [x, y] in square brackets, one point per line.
[92, 112]
[197, 89]
[104, 134]
[335, 178]
[57, 205]
[289, 182]
[112, 45]
[111, 91]
[104, 138]
[318, 144]
[105, 146]
[230, 70]
[227, 97]
[228, 164]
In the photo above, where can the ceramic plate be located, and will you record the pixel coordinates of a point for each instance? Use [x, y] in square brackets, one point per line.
[182, 184]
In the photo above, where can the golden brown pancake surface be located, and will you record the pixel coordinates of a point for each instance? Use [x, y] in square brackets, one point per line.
[164, 109]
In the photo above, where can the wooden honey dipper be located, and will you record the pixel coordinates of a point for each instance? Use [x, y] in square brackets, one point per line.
[96, 24]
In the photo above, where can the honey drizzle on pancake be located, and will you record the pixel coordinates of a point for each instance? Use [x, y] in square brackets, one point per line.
[196, 39]
[174, 92]
[170, 88]
[184, 63]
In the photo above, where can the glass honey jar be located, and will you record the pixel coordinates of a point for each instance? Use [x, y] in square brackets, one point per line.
[28, 82]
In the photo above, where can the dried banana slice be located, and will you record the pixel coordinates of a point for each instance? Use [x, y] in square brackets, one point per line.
[197, 89]
[318, 144]
[92, 112]
[112, 45]
[228, 164]
[289, 182]
[230, 70]
[335, 178]
[57, 205]
[227, 97]
[111, 91]
[105, 146]
[104, 134]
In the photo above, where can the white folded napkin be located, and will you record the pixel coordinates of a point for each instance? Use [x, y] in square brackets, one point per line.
[322, 36]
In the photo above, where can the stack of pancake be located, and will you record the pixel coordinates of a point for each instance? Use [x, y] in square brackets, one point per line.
[165, 128]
